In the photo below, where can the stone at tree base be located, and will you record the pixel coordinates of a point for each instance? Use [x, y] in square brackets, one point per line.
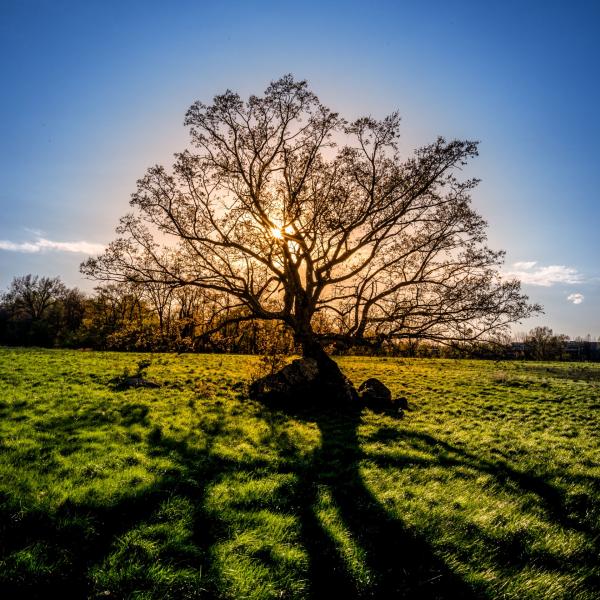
[289, 383]
[301, 383]
[401, 403]
[375, 395]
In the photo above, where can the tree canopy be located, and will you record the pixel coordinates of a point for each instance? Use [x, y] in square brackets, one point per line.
[281, 209]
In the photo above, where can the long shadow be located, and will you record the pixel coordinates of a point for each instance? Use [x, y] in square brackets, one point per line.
[517, 551]
[78, 536]
[552, 498]
[66, 542]
[397, 562]
[341, 520]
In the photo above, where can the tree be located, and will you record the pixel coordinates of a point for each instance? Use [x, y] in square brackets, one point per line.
[32, 297]
[293, 214]
[542, 344]
[118, 318]
[40, 310]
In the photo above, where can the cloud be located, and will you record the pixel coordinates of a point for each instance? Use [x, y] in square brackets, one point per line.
[44, 245]
[575, 298]
[37, 232]
[528, 272]
[525, 265]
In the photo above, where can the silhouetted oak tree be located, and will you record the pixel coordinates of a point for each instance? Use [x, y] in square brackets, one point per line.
[292, 213]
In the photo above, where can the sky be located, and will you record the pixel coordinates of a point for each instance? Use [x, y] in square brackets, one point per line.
[93, 93]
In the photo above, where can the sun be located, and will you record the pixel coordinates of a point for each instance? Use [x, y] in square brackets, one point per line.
[277, 232]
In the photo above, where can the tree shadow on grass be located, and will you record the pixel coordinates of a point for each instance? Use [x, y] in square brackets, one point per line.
[60, 551]
[517, 550]
[564, 511]
[357, 548]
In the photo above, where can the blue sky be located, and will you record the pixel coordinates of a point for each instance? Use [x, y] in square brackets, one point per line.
[95, 92]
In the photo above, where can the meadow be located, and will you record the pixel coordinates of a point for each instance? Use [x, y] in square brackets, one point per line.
[487, 487]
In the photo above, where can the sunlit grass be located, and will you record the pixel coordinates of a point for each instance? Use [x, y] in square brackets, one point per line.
[488, 487]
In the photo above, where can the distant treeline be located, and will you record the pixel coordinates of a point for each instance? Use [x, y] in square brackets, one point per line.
[43, 311]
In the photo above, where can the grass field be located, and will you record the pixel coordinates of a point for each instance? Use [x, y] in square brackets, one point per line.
[489, 487]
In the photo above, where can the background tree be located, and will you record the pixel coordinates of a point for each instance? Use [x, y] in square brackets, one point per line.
[73, 306]
[190, 315]
[33, 310]
[118, 318]
[543, 344]
[41, 311]
[293, 213]
[32, 297]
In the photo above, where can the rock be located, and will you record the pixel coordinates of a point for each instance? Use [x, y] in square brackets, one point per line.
[288, 384]
[401, 403]
[375, 395]
[303, 383]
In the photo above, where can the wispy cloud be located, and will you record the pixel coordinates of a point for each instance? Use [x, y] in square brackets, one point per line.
[38, 233]
[45, 245]
[525, 265]
[529, 272]
[575, 298]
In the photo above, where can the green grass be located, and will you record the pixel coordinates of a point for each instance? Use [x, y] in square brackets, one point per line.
[489, 486]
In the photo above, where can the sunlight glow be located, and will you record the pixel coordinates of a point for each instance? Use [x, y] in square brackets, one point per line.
[277, 232]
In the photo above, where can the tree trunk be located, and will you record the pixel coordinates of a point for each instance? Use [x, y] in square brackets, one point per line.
[335, 385]
[311, 348]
